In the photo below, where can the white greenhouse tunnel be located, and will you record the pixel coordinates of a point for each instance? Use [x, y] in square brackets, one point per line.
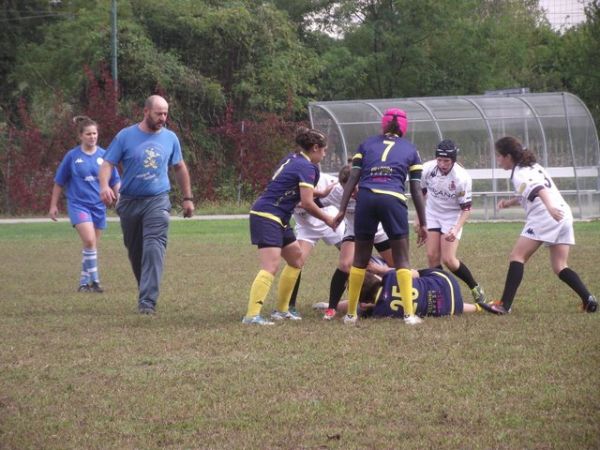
[558, 127]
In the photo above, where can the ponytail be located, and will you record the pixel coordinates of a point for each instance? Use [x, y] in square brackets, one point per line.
[82, 122]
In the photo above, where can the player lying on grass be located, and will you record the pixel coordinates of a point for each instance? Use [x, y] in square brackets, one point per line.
[435, 293]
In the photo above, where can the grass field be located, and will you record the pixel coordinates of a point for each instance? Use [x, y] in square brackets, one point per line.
[85, 371]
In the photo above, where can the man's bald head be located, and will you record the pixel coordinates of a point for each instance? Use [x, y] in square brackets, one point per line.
[155, 100]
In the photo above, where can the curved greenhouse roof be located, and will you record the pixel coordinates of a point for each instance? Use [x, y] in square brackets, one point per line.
[557, 126]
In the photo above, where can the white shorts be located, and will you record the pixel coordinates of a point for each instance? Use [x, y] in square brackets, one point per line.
[312, 234]
[443, 223]
[380, 235]
[550, 232]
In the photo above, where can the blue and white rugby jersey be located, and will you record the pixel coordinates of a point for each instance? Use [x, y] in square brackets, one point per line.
[78, 175]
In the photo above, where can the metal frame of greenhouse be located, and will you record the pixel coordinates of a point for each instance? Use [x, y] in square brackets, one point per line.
[557, 126]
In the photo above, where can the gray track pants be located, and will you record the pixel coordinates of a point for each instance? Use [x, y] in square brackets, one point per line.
[145, 225]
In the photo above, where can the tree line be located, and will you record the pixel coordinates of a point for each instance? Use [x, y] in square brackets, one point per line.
[239, 74]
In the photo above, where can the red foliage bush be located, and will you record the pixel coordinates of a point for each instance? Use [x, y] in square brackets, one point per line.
[256, 146]
[25, 180]
[32, 154]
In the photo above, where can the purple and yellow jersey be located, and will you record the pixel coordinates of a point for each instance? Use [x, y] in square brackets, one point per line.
[78, 175]
[282, 194]
[385, 161]
[435, 293]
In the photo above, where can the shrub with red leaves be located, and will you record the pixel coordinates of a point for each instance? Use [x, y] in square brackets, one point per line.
[256, 146]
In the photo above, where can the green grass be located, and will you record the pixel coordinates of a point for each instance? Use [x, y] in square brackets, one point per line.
[85, 371]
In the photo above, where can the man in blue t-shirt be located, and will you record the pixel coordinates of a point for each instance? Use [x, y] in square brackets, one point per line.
[146, 151]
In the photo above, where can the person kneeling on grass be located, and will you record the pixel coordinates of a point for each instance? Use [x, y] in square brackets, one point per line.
[435, 293]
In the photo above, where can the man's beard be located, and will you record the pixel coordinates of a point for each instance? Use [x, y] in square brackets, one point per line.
[154, 126]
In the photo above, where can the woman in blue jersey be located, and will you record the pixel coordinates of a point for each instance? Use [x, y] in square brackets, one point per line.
[548, 221]
[292, 184]
[380, 167]
[77, 174]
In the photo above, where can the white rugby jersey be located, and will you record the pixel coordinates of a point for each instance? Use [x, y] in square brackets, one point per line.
[304, 219]
[335, 198]
[527, 181]
[446, 193]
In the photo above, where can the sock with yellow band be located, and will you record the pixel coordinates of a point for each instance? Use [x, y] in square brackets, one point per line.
[355, 282]
[258, 292]
[404, 277]
[287, 281]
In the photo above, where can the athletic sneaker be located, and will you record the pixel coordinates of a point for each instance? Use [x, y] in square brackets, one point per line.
[495, 307]
[95, 287]
[294, 312]
[350, 319]
[279, 315]
[591, 304]
[256, 320]
[329, 314]
[83, 288]
[320, 306]
[412, 320]
[478, 294]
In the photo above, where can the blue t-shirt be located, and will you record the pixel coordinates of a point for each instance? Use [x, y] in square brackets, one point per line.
[385, 162]
[435, 293]
[282, 194]
[146, 158]
[78, 171]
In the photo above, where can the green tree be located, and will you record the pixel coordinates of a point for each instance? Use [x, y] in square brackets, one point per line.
[249, 48]
[400, 48]
[579, 59]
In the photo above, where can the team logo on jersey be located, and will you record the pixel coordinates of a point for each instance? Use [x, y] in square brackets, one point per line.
[522, 188]
[461, 194]
[79, 161]
[99, 161]
[151, 157]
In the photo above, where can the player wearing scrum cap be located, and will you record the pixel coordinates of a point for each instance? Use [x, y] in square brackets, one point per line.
[447, 189]
[380, 167]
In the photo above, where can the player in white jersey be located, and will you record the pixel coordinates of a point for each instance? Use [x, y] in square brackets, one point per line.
[309, 230]
[447, 190]
[548, 221]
